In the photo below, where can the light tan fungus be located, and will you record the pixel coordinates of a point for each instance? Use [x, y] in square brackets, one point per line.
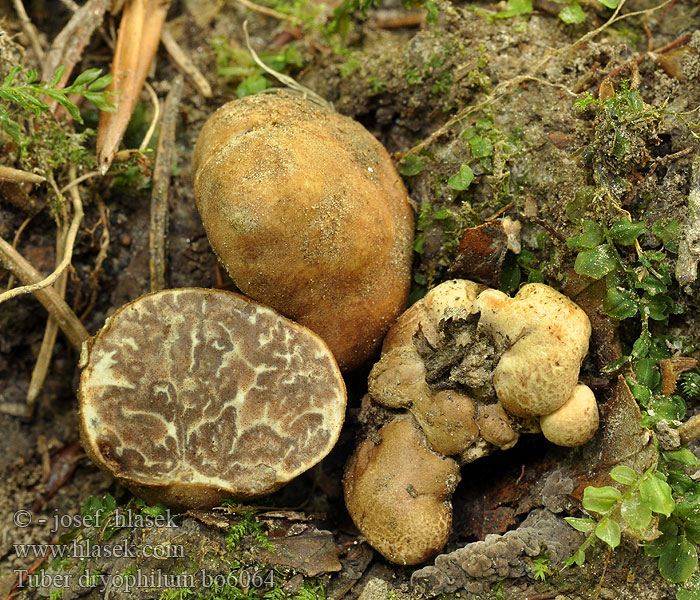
[307, 213]
[495, 426]
[470, 369]
[189, 396]
[576, 422]
[548, 336]
[447, 419]
[397, 493]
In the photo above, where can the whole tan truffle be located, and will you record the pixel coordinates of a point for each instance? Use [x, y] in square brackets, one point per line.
[306, 211]
[576, 422]
[397, 493]
[190, 396]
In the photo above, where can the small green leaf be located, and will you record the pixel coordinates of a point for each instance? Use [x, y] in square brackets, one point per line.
[641, 346]
[100, 83]
[646, 373]
[595, 263]
[683, 456]
[641, 393]
[653, 285]
[510, 278]
[662, 544]
[87, 76]
[572, 14]
[610, 3]
[578, 558]
[431, 12]
[668, 231]
[480, 147]
[679, 561]
[535, 276]
[411, 165]
[616, 365]
[659, 307]
[591, 237]
[656, 493]
[624, 232]
[484, 124]
[692, 530]
[9, 80]
[623, 474]
[515, 7]
[684, 594]
[419, 243]
[584, 525]
[443, 213]
[461, 180]
[600, 499]
[58, 74]
[636, 512]
[620, 303]
[608, 531]
[672, 408]
[252, 85]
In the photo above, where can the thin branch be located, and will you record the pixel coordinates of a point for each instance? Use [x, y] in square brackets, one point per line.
[183, 62]
[161, 185]
[270, 12]
[68, 255]
[29, 29]
[57, 307]
[43, 360]
[79, 180]
[156, 115]
[17, 175]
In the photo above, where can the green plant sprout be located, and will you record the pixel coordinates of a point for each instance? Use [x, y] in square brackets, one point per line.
[28, 95]
[640, 288]
[647, 508]
[541, 565]
[239, 65]
[248, 526]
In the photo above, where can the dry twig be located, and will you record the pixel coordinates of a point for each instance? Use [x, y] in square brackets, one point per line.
[183, 62]
[29, 29]
[57, 307]
[264, 10]
[137, 42]
[161, 185]
[67, 47]
[101, 256]
[68, 253]
[43, 360]
[19, 176]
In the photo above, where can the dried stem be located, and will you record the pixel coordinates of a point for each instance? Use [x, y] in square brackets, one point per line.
[19, 176]
[183, 62]
[264, 10]
[29, 29]
[690, 430]
[154, 121]
[68, 254]
[43, 360]
[161, 185]
[57, 307]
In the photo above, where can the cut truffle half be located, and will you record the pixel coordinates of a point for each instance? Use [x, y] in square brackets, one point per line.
[190, 396]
